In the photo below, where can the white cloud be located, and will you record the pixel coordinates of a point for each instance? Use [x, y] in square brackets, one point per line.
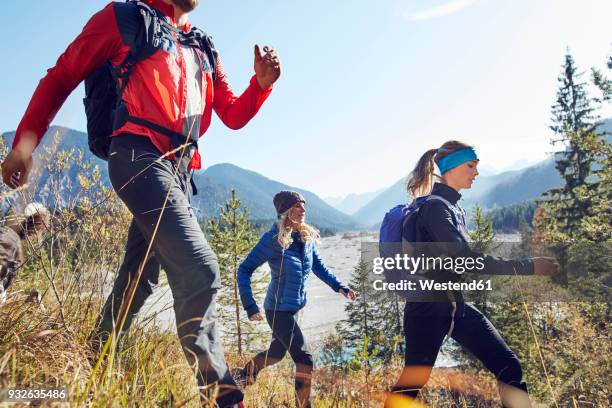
[439, 11]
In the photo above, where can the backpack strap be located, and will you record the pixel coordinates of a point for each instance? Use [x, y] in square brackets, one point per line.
[199, 39]
[143, 28]
[145, 38]
[457, 213]
[196, 38]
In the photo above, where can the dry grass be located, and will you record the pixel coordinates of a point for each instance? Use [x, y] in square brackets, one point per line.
[72, 266]
[151, 370]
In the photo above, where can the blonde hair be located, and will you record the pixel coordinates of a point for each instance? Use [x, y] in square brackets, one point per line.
[307, 232]
[421, 179]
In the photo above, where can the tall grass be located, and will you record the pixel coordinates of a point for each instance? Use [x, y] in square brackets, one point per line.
[70, 267]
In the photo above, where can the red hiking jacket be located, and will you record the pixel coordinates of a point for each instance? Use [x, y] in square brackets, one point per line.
[157, 89]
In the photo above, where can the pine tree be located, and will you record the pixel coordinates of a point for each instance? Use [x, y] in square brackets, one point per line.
[482, 239]
[598, 225]
[580, 209]
[602, 82]
[361, 314]
[577, 218]
[574, 123]
[375, 314]
[482, 236]
[232, 237]
[589, 253]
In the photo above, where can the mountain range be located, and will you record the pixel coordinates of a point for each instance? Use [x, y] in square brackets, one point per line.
[214, 184]
[351, 203]
[256, 193]
[489, 191]
[354, 212]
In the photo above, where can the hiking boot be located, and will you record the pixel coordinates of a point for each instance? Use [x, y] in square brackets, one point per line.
[242, 378]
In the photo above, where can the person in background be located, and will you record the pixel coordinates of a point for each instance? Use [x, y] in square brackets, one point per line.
[13, 230]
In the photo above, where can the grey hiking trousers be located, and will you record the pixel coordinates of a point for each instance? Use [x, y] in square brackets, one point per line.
[179, 247]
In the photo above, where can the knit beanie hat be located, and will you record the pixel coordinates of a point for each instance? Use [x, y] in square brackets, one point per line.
[285, 199]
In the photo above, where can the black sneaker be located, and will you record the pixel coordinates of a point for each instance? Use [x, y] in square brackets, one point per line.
[242, 378]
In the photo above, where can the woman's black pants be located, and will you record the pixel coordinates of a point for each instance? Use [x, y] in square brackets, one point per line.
[425, 326]
[286, 336]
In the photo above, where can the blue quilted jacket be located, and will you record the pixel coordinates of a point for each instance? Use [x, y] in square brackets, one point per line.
[289, 271]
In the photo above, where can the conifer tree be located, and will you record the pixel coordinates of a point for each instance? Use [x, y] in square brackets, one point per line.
[361, 314]
[482, 235]
[602, 82]
[577, 217]
[481, 240]
[598, 225]
[375, 314]
[232, 237]
[575, 123]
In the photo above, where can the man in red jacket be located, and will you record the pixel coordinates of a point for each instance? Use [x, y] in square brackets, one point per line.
[173, 89]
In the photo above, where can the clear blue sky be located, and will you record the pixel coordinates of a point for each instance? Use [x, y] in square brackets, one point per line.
[367, 85]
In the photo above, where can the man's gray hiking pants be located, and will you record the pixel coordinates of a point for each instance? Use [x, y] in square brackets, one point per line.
[180, 248]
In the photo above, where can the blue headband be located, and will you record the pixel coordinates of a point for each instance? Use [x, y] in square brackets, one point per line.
[456, 158]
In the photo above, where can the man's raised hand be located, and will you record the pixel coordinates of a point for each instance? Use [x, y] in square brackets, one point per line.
[267, 66]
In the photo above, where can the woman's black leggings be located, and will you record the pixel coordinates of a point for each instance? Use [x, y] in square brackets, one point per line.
[286, 336]
[425, 326]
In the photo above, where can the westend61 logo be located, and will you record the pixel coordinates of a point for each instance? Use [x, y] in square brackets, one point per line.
[412, 264]
[407, 265]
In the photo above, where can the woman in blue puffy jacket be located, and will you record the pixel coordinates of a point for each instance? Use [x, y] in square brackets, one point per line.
[290, 249]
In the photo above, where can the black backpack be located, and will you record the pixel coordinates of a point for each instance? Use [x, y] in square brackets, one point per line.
[144, 29]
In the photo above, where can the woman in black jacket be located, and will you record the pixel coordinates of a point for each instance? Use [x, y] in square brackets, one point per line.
[440, 220]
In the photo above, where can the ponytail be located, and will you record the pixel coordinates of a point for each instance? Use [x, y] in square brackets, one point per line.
[420, 180]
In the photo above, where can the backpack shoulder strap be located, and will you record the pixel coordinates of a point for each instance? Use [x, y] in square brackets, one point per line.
[439, 198]
[129, 21]
[457, 212]
[450, 206]
[414, 207]
[140, 27]
[199, 39]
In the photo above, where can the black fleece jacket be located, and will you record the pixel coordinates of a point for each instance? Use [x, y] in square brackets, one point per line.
[437, 223]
